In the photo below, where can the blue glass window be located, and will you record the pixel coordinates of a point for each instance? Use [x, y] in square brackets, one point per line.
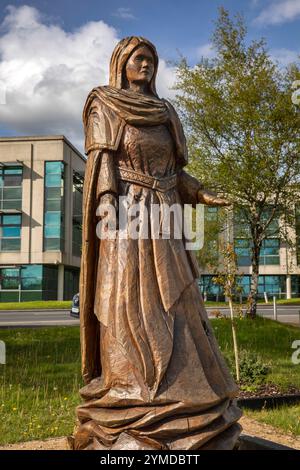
[54, 206]
[269, 253]
[11, 187]
[10, 232]
[77, 214]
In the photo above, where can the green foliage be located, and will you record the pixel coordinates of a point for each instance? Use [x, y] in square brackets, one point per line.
[253, 370]
[243, 129]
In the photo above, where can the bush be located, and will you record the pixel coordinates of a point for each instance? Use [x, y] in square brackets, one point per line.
[253, 371]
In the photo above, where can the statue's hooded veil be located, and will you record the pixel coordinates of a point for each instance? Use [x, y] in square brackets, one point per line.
[121, 54]
[106, 112]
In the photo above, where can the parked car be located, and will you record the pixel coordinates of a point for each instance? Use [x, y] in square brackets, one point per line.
[74, 312]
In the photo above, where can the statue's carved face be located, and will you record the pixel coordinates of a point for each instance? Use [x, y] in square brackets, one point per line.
[140, 66]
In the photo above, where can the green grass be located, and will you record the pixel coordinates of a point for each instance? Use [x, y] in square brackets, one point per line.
[268, 339]
[295, 301]
[61, 304]
[285, 418]
[40, 382]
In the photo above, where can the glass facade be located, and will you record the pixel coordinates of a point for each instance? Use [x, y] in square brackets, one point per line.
[77, 214]
[28, 282]
[11, 187]
[269, 253]
[54, 206]
[297, 220]
[272, 285]
[10, 232]
[71, 283]
[209, 289]
[295, 285]
[242, 229]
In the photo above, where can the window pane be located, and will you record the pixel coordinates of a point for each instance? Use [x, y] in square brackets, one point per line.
[52, 231]
[54, 167]
[52, 218]
[11, 232]
[53, 180]
[12, 180]
[52, 244]
[12, 193]
[53, 205]
[11, 219]
[53, 193]
[10, 244]
[9, 278]
[31, 277]
[13, 170]
[12, 204]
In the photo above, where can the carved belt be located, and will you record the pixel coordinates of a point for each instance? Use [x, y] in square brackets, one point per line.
[160, 184]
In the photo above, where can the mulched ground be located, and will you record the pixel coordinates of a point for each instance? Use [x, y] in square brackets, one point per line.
[268, 390]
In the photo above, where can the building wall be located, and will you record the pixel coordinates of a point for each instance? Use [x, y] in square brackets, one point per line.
[282, 279]
[32, 153]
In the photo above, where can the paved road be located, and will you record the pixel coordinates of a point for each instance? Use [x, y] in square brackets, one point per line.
[36, 318]
[285, 313]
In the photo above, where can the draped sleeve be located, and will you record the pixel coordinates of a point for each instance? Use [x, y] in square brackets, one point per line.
[188, 187]
[102, 126]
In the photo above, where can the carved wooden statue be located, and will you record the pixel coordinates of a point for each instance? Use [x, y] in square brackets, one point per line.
[155, 378]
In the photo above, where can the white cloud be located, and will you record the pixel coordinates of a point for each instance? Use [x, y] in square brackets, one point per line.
[48, 72]
[284, 56]
[206, 50]
[279, 12]
[124, 13]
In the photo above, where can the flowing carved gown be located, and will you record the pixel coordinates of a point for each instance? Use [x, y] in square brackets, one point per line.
[164, 383]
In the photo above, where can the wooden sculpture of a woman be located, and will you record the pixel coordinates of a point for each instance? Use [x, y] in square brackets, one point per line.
[155, 378]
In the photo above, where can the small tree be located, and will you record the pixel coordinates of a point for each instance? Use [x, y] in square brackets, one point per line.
[243, 132]
[228, 279]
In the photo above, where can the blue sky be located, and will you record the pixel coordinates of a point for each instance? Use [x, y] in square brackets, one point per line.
[171, 25]
[53, 52]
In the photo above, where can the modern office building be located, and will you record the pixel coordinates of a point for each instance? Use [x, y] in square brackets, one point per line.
[279, 272]
[41, 180]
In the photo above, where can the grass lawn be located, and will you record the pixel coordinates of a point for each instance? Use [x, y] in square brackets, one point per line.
[295, 301]
[287, 418]
[61, 304]
[270, 340]
[35, 304]
[40, 382]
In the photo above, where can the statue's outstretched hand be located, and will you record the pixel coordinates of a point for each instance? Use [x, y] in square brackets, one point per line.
[211, 199]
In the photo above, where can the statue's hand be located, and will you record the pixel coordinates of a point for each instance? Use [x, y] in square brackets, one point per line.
[108, 199]
[108, 205]
[211, 199]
